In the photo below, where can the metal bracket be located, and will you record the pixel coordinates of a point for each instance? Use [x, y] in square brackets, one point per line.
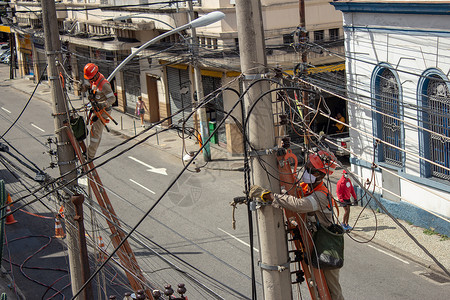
[62, 163]
[251, 77]
[281, 268]
[262, 152]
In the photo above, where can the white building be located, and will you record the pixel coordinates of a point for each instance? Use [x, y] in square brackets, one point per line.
[398, 63]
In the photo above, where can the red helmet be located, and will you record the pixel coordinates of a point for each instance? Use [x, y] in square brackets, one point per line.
[323, 161]
[90, 70]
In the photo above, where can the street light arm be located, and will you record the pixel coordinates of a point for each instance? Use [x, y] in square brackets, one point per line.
[207, 19]
[202, 21]
[152, 41]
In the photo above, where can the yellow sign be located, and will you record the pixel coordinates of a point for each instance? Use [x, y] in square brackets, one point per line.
[4, 28]
[24, 43]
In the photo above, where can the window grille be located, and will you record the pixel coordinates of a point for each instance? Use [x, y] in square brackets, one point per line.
[319, 35]
[438, 121]
[334, 34]
[388, 103]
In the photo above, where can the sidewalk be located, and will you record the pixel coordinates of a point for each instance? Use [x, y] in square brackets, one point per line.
[388, 234]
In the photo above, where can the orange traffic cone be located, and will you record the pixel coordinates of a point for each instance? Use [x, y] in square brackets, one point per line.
[61, 212]
[59, 232]
[102, 249]
[9, 218]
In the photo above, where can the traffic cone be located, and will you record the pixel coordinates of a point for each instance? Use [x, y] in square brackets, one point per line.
[59, 231]
[101, 245]
[9, 218]
[61, 212]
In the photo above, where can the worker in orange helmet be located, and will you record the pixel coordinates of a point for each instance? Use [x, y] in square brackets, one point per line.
[104, 96]
[315, 199]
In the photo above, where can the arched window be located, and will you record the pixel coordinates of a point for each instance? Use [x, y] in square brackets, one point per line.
[434, 115]
[388, 127]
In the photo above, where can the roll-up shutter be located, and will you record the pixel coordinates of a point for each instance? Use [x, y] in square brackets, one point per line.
[179, 95]
[214, 109]
[132, 84]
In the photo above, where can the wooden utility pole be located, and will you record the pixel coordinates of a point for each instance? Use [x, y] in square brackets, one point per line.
[272, 235]
[66, 156]
[201, 112]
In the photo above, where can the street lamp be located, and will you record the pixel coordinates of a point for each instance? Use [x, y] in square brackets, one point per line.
[207, 19]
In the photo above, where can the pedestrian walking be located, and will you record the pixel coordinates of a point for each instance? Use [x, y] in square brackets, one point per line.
[344, 191]
[141, 109]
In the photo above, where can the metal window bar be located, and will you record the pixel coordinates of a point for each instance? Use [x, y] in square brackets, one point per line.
[389, 104]
[439, 120]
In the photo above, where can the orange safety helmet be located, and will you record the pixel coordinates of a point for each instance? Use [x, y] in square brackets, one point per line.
[90, 70]
[323, 161]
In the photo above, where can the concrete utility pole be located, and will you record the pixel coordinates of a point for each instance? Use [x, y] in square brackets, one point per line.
[303, 37]
[66, 156]
[272, 235]
[201, 112]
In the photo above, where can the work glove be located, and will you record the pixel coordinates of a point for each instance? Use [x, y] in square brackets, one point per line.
[258, 192]
[85, 87]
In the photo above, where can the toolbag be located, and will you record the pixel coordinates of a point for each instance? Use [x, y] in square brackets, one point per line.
[328, 252]
[78, 127]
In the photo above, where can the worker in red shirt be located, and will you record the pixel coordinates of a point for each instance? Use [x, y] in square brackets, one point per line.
[345, 191]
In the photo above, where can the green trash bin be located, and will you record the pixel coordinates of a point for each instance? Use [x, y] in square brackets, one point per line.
[212, 127]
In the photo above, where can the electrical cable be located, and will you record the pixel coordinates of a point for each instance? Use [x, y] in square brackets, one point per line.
[153, 206]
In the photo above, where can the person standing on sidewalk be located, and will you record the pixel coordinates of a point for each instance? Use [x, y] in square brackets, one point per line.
[344, 191]
[141, 109]
[105, 98]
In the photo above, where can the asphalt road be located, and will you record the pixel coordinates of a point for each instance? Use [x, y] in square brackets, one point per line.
[187, 237]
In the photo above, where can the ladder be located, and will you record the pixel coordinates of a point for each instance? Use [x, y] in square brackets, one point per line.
[125, 253]
[296, 224]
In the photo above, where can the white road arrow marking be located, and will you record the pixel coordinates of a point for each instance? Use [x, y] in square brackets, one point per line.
[145, 188]
[161, 171]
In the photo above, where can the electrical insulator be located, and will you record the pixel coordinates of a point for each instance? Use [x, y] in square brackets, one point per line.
[156, 294]
[286, 142]
[300, 276]
[181, 289]
[295, 235]
[168, 290]
[298, 255]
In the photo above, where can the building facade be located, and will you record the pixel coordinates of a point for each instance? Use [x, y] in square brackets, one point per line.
[398, 87]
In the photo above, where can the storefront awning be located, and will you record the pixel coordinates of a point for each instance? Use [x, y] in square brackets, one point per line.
[328, 68]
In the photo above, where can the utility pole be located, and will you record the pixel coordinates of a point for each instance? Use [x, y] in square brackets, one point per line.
[303, 38]
[201, 112]
[66, 156]
[272, 235]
